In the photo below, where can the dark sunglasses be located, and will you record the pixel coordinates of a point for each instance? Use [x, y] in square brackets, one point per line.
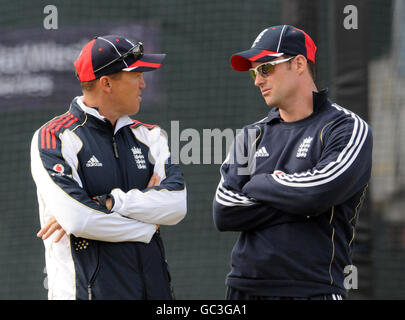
[136, 51]
[266, 68]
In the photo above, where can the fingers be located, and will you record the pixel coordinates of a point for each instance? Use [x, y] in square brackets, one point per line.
[46, 227]
[50, 227]
[154, 181]
[151, 181]
[60, 235]
[51, 230]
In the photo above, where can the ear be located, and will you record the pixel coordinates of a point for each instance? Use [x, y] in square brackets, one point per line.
[105, 84]
[301, 63]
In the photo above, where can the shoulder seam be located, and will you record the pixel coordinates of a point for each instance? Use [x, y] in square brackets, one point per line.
[49, 130]
[323, 128]
[137, 123]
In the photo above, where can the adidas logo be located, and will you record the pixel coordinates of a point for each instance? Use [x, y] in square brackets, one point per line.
[93, 162]
[262, 152]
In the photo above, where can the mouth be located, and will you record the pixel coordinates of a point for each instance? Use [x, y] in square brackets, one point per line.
[265, 91]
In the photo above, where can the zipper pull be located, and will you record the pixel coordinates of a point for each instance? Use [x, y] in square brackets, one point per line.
[89, 292]
[115, 148]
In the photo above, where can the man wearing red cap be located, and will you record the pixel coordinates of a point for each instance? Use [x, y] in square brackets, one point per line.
[294, 182]
[105, 183]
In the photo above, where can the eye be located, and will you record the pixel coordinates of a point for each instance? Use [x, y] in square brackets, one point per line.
[266, 68]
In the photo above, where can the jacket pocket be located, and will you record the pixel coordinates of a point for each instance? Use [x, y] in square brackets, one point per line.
[94, 275]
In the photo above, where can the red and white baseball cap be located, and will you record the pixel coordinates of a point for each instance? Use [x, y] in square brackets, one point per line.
[274, 42]
[111, 54]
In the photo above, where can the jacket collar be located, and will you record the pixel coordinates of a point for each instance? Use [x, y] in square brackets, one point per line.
[121, 122]
[319, 99]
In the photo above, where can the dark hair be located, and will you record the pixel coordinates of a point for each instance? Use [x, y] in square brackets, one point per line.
[312, 71]
[310, 64]
[88, 85]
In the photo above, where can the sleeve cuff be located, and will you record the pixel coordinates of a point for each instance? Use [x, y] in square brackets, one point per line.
[116, 199]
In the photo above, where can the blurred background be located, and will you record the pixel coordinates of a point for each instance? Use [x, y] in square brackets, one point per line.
[361, 61]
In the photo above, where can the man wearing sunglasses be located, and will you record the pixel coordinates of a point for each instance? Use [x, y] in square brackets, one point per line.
[105, 182]
[294, 182]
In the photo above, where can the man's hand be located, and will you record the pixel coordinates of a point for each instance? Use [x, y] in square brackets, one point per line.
[50, 227]
[108, 204]
[154, 181]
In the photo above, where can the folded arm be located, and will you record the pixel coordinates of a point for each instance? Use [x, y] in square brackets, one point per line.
[343, 168]
[61, 195]
[163, 204]
[232, 209]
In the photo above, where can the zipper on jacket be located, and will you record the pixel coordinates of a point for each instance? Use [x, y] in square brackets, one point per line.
[166, 264]
[115, 148]
[89, 292]
[138, 256]
[93, 277]
[116, 155]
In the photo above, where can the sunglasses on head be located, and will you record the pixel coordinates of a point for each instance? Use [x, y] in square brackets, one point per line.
[266, 68]
[136, 51]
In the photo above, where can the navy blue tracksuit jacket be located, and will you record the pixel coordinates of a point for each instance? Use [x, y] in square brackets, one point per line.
[294, 192]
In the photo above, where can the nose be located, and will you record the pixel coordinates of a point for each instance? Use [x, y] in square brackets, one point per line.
[259, 80]
[142, 83]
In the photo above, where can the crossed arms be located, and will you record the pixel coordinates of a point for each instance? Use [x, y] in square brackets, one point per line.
[62, 197]
[249, 202]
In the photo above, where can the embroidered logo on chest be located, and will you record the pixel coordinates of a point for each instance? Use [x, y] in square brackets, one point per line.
[93, 162]
[261, 153]
[139, 159]
[304, 147]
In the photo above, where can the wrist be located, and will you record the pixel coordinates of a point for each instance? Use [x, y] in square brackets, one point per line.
[109, 203]
[106, 200]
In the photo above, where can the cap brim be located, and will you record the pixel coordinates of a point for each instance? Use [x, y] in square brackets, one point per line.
[242, 61]
[148, 62]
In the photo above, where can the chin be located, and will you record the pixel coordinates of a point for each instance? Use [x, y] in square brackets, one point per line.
[136, 107]
[133, 111]
[269, 102]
